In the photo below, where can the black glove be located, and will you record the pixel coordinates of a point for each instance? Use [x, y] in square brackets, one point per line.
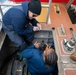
[19, 57]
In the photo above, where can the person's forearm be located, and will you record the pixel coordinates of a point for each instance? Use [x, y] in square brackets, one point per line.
[34, 22]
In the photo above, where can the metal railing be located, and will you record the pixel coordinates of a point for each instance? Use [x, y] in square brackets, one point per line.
[68, 4]
[43, 6]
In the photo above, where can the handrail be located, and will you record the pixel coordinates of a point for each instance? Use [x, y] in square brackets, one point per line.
[47, 17]
[43, 6]
[68, 4]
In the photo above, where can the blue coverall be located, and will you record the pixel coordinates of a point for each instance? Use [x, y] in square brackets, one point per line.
[35, 62]
[16, 25]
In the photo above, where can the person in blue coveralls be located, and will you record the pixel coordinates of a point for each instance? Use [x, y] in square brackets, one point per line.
[19, 22]
[40, 62]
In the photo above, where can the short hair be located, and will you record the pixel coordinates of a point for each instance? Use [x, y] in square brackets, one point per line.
[51, 58]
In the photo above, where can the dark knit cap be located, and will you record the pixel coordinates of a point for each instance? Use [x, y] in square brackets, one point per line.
[35, 6]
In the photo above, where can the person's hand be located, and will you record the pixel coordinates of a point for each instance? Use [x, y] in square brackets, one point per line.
[39, 26]
[36, 45]
[48, 47]
[35, 28]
